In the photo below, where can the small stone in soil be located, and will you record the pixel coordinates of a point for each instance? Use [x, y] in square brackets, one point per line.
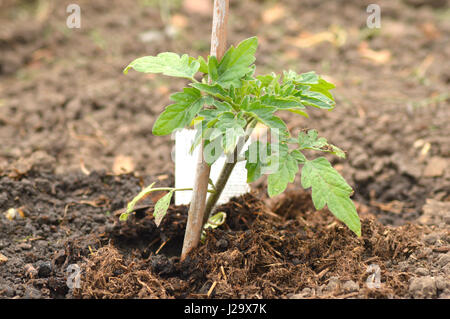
[362, 177]
[60, 257]
[350, 286]
[25, 246]
[333, 284]
[305, 293]
[384, 145]
[3, 199]
[444, 259]
[43, 185]
[442, 283]
[161, 265]
[436, 167]
[425, 252]
[403, 266]
[320, 290]
[446, 269]
[205, 288]
[47, 220]
[3, 258]
[222, 244]
[44, 269]
[42, 244]
[431, 238]
[421, 271]
[295, 261]
[7, 291]
[30, 271]
[99, 218]
[32, 293]
[379, 165]
[360, 161]
[423, 287]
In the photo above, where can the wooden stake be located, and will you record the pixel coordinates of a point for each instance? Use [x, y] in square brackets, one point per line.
[197, 208]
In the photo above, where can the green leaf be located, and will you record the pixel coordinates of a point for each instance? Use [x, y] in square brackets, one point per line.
[213, 89]
[245, 103]
[264, 114]
[232, 91]
[230, 120]
[210, 114]
[281, 102]
[309, 81]
[213, 222]
[307, 78]
[133, 202]
[266, 80]
[236, 63]
[275, 122]
[212, 149]
[323, 87]
[316, 99]
[212, 68]
[250, 74]
[288, 90]
[304, 78]
[249, 88]
[311, 141]
[167, 63]
[230, 139]
[329, 188]
[201, 129]
[298, 111]
[222, 106]
[161, 207]
[124, 216]
[299, 157]
[287, 167]
[256, 159]
[230, 126]
[216, 122]
[203, 65]
[180, 114]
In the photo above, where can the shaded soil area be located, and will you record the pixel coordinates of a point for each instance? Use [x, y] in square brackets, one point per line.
[76, 146]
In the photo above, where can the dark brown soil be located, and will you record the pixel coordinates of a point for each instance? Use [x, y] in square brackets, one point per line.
[69, 120]
[258, 254]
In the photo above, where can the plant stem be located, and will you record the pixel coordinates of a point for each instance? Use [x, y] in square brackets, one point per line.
[196, 212]
[225, 174]
[176, 189]
[220, 185]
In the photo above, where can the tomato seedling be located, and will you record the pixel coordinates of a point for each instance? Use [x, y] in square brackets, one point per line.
[227, 102]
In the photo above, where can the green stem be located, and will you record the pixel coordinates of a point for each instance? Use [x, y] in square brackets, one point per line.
[220, 185]
[226, 172]
[149, 189]
[235, 106]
